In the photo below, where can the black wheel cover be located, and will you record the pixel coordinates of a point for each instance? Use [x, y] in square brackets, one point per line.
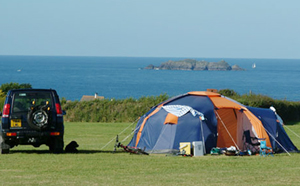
[38, 118]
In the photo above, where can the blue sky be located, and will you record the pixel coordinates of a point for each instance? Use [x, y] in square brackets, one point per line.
[151, 28]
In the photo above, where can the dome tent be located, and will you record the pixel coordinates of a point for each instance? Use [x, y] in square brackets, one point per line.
[220, 122]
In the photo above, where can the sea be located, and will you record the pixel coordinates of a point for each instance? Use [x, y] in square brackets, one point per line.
[125, 77]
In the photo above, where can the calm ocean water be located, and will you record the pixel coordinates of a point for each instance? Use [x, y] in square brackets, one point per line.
[123, 77]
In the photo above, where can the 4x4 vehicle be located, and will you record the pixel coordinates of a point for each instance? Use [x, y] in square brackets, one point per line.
[32, 117]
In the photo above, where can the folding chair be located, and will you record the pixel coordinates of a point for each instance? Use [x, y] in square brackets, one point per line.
[251, 143]
[264, 149]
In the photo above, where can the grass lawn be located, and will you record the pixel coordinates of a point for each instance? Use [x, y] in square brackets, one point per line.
[26, 165]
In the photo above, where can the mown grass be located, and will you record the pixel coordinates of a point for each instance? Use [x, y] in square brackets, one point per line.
[26, 165]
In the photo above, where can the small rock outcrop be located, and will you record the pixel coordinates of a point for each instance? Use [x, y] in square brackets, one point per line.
[237, 68]
[191, 64]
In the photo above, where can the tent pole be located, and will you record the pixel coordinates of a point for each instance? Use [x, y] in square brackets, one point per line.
[202, 135]
[227, 130]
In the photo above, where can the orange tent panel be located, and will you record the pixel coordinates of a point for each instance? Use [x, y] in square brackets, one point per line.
[171, 119]
[204, 93]
[228, 123]
[221, 102]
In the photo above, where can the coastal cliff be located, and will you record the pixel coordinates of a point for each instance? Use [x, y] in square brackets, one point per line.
[191, 64]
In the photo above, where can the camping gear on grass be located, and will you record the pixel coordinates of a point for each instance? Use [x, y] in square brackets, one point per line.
[185, 148]
[250, 143]
[231, 151]
[215, 151]
[264, 150]
[131, 150]
[245, 153]
[198, 148]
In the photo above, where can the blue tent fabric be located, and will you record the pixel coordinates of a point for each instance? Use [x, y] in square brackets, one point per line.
[188, 125]
[204, 105]
[170, 139]
[274, 130]
[166, 139]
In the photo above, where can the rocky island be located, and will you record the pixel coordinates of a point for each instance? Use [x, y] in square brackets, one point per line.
[191, 64]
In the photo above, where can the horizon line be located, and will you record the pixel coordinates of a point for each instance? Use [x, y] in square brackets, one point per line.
[27, 55]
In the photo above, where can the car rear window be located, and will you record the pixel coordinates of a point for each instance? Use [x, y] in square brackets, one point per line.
[24, 100]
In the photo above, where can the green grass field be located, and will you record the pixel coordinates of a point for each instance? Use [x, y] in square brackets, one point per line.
[26, 165]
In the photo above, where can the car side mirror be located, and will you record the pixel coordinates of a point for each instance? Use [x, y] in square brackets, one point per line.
[64, 112]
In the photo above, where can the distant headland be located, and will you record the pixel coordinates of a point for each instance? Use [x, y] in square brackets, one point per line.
[191, 64]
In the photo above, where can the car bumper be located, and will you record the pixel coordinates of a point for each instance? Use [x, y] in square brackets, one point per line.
[29, 137]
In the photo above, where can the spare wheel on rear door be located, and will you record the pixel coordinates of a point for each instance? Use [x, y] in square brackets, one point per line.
[38, 117]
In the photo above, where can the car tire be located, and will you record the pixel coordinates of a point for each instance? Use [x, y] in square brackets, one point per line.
[4, 148]
[38, 118]
[57, 145]
[4, 151]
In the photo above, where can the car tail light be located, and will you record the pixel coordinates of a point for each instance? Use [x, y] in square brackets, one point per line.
[54, 133]
[6, 111]
[11, 134]
[58, 109]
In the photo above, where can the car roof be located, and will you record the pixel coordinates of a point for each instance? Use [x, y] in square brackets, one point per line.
[30, 90]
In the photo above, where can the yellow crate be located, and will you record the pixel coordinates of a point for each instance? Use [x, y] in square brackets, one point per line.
[186, 146]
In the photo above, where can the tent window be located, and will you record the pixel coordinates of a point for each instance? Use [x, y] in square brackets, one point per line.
[171, 119]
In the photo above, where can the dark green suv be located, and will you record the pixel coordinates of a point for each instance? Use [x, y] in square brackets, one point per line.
[32, 117]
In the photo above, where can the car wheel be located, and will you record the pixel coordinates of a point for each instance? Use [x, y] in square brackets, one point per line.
[4, 148]
[4, 151]
[57, 145]
[38, 118]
